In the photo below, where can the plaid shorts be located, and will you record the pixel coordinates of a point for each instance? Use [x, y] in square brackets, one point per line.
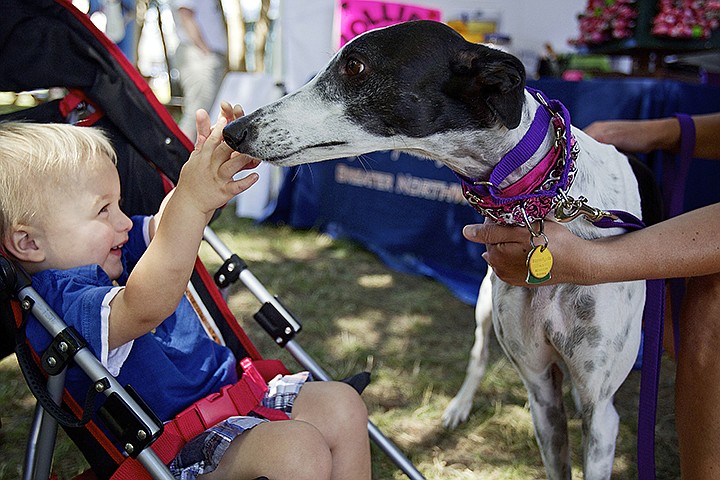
[203, 453]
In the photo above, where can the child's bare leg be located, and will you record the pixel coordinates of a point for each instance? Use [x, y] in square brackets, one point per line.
[339, 413]
[281, 450]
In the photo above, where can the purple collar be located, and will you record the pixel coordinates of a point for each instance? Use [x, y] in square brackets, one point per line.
[533, 196]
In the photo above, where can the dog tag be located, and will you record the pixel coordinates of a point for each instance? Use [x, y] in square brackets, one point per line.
[539, 263]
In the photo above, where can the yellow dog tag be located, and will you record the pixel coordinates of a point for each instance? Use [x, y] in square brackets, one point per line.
[539, 263]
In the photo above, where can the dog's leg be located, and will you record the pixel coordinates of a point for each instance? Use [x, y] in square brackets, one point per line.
[522, 318]
[459, 408]
[599, 361]
[545, 398]
[601, 423]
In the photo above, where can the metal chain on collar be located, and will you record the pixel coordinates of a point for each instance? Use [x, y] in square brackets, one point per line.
[569, 208]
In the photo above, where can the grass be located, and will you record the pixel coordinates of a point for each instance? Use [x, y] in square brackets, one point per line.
[415, 338]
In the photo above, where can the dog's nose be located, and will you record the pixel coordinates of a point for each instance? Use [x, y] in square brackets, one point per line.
[234, 135]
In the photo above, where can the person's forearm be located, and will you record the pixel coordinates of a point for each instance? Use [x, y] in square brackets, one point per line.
[665, 135]
[707, 134]
[684, 246]
[644, 136]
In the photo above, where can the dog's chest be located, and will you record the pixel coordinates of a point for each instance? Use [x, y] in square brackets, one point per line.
[563, 320]
[544, 311]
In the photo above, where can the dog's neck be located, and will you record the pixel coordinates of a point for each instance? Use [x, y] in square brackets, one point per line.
[523, 184]
[476, 155]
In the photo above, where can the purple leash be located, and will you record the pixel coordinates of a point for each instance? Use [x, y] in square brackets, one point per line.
[674, 190]
[654, 311]
[650, 376]
[653, 314]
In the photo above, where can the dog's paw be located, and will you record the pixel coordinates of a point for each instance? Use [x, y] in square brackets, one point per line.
[457, 412]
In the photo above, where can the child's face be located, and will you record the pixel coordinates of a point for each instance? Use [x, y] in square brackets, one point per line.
[86, 226]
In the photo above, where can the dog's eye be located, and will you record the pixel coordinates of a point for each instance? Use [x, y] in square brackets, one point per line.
[354, 67]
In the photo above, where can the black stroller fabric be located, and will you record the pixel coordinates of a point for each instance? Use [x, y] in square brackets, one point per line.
[52, 44]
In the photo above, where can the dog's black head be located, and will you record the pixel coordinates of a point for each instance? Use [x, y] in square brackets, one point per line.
[384, 90]
[416, 77]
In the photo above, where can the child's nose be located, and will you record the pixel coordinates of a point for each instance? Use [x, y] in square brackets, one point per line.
[124, 223]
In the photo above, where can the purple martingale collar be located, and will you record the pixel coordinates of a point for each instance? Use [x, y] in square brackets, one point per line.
[533, 196]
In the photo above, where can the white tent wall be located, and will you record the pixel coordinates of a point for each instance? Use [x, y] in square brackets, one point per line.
[306, 28]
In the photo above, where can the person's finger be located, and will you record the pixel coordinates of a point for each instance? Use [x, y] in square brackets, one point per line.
[227, 110]
[485, 256]
[252, 163]
[238, 111]
[238, 163]
[202, 123]
[242, 184]
[215, 139]
[492, 234]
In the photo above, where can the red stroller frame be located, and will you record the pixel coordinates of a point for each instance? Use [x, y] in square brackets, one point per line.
[49, 43]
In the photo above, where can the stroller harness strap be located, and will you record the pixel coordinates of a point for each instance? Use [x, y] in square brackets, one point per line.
[241, 398]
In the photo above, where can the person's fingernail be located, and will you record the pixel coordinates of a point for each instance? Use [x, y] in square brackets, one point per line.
[470, 230]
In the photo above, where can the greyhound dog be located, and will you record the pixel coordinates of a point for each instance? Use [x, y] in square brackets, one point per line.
[419, 87]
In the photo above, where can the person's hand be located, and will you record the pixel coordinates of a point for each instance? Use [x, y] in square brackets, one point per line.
[202, 120]
[637, 136]
[230, 113]
[507, 249]
[207, 176]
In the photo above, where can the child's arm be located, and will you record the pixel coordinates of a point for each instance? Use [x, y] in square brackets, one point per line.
[159, 279]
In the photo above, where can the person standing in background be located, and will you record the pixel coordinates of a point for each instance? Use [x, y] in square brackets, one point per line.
[201, 56]
[119, 23]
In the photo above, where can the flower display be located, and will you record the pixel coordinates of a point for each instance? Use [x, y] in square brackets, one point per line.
[606, 20]
[686, 19]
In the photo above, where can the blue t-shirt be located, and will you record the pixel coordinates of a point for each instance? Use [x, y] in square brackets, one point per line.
[170, 367]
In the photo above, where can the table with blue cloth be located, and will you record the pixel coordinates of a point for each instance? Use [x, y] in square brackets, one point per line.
[410, 211]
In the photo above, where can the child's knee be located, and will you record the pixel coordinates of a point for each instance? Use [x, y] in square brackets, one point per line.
[346, 404]
[305, 455]
[311, 455]
[356, 406]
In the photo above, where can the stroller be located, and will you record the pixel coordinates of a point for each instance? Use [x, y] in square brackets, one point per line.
[49, 43]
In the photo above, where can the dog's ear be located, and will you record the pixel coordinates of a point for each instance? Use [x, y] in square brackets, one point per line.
[497, 79]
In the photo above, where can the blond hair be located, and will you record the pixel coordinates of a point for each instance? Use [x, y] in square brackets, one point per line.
[39, 160]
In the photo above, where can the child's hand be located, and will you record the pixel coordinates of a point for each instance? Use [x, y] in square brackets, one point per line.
[202, 120]
[207, 177]
[231, 112]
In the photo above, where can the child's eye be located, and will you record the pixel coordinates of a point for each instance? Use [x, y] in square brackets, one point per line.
[104, 209]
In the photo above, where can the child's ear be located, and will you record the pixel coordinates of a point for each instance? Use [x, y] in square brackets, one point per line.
[21, 244]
